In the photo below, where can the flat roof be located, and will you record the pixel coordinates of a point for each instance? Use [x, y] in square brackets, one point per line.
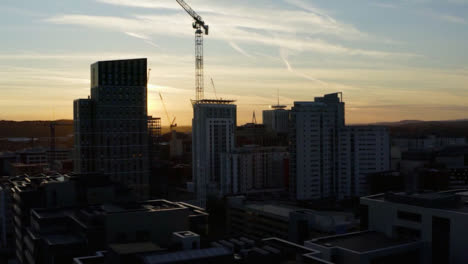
[132, 248]
[63, 239]
[360, 241]
[273, 209]
[452, 200]
[149, 206]
[213, 101]
[50, 212]
[185, 255]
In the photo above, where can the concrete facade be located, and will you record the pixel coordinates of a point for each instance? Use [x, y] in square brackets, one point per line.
[437, 219]
[253, 169]
[213, 126]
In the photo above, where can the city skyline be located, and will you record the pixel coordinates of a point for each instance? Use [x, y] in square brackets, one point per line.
[388, 70]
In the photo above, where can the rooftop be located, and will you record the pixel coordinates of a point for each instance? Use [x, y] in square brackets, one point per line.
[180, 256]
[152, 205]
[62, 239]
[273, 209]
[134, 248]
[360, 241]
[453, 200]
[213, 101]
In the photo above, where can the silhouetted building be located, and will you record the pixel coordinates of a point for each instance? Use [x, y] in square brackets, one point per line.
[314, 144]
[367, 247]
[276, 119]
[213, 126]
[363, 150]
[60, 234]
[437, 219]
[386, 181]
[154, 133]
[6, 158]
[257, 134]
[111, 127]
[430, 142]
[252, 169]
[21, 194]
[257, 219]
[329, 159]
[234, 250]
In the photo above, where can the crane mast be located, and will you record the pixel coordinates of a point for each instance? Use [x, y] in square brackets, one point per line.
[200, 29]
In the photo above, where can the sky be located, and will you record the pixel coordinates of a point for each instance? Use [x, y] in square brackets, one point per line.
[393, 60]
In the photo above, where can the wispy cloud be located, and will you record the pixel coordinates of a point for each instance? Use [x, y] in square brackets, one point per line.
[283, 55]
[143, 37]
[384, 5]
[245, 31]
[239, 49]
[451, 18]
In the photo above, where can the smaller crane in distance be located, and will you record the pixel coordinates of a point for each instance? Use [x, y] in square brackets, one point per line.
[172, 123]
[214, 88]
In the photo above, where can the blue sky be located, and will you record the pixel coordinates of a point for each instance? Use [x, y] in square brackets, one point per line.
[392, 60]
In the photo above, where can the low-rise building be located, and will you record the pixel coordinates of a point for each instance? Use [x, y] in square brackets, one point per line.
[251, 169]
[264, 219]
[236, 250]
[367, 247]
[58, 235]
[437, 219]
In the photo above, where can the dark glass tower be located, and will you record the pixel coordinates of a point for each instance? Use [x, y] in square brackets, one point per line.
[111, 132]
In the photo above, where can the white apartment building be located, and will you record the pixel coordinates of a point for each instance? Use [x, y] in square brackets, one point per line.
[314, 146]
[213, 126]
[363, 150]
[329, 159]
[276, 119]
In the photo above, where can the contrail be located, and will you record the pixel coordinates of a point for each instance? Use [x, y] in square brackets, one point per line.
[290, 69]
[143, 37]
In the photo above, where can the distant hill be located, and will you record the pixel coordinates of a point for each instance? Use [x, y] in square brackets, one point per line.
[413, 128]
[402, 122]
[42, 129]
[34, 128]
[401, 128]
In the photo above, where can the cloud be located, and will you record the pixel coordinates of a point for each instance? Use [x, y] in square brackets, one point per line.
[159, 4]
[143, 37]
[384, 5]
[302, 29]
[261, 34]
[451, 18]
[283, 55]
[239, 49]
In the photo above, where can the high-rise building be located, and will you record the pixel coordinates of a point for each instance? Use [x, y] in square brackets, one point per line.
[314, 146]
[329, 159]
[213, 126]
[363, 150]
[276, 119]
[111, 131]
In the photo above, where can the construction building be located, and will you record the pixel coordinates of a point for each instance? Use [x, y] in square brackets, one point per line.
[111, 126]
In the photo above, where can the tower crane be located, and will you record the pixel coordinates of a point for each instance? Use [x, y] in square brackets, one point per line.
[200, 29]
[172, 123]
